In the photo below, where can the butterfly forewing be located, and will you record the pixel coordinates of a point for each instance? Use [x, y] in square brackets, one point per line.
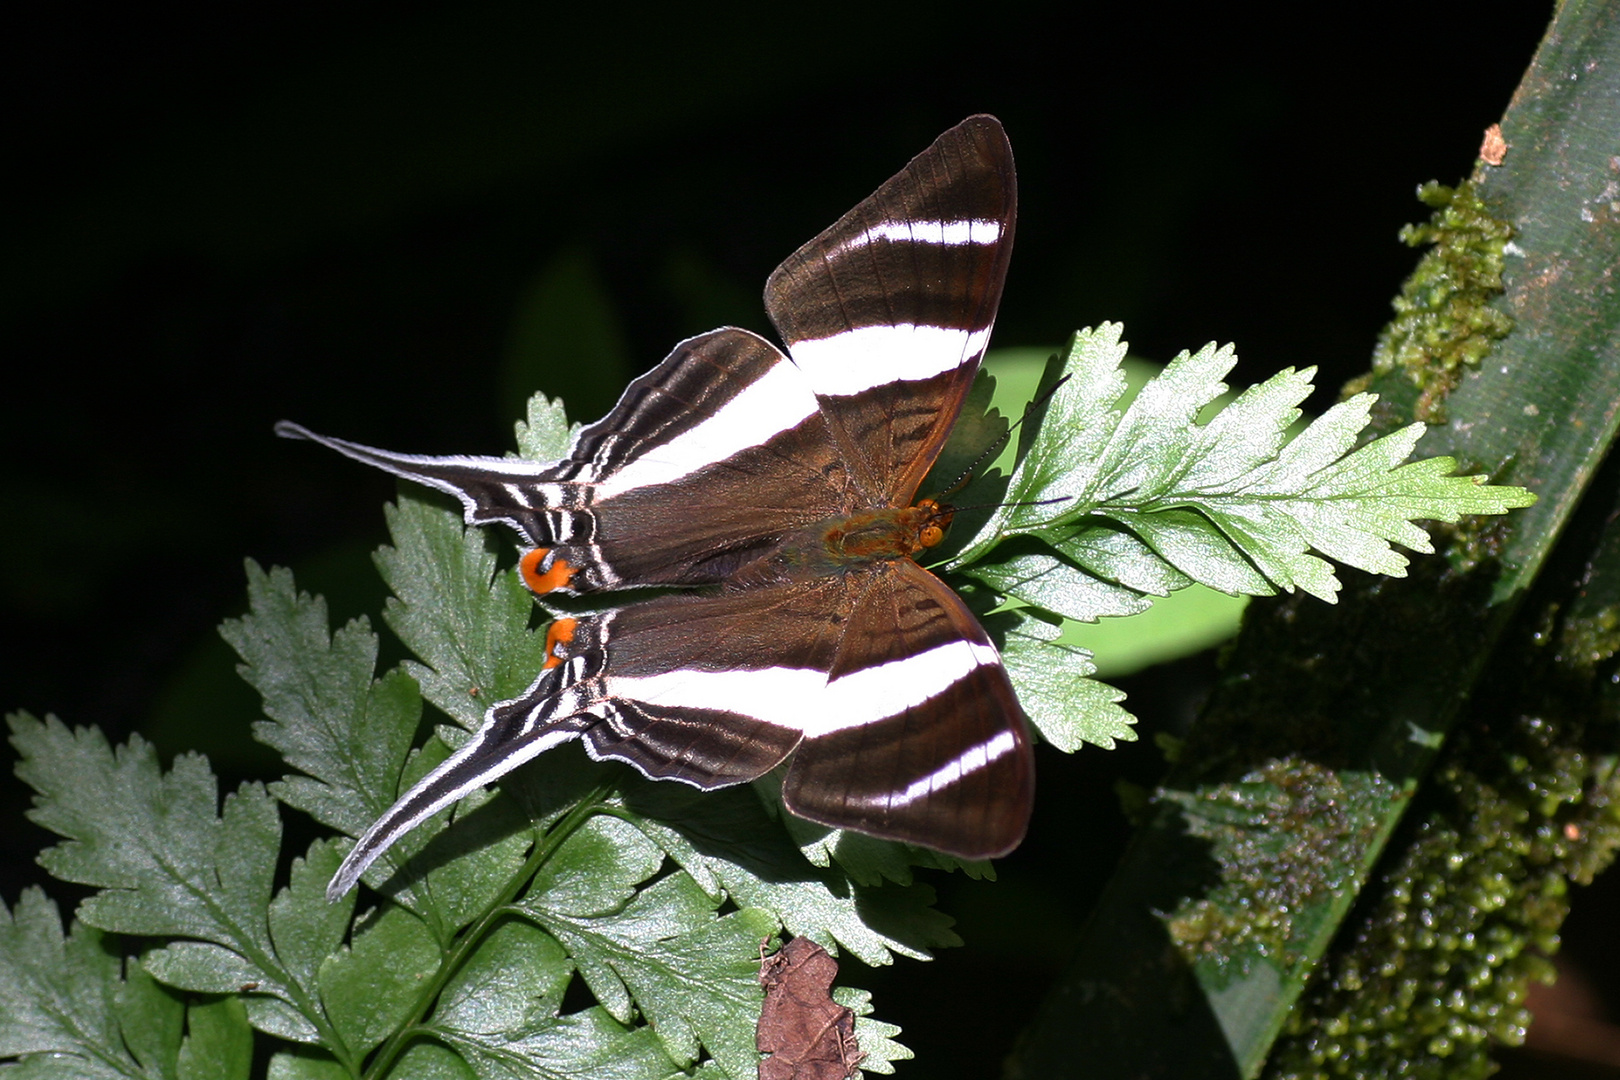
[888, 311]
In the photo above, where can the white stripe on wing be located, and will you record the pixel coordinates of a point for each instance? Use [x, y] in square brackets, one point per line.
[776, 402]
[929, 231]
[968, 762]
[855, 361]
[802, 699]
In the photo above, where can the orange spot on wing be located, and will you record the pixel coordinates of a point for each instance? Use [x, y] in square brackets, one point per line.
[540, 578]
[558, 638]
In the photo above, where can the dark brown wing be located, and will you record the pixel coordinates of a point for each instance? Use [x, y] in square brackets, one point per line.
[888, 311]
[706, 459]
[922, 739]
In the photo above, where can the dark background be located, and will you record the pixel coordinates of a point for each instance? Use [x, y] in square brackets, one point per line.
[381, 221]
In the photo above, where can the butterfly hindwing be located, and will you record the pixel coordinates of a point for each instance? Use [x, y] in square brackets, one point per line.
[711, 455]
[704, 463]
[671, 686]
[882, 687]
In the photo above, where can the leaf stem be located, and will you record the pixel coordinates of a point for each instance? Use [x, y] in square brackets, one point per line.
[545, 847]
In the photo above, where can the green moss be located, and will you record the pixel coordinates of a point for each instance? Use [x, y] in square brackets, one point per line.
[1433, 965]
[1590, 641]
[1472, 543]
[1443, 319]
[1284, 834]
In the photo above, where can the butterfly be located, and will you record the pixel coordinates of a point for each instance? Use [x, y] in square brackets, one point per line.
[774, 497]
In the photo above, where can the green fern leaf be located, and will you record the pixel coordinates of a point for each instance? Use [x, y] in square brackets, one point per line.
[67, 1010]
[663, 951]
[1233, 502]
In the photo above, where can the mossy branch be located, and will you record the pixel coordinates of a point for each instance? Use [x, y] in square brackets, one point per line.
[1329, 721]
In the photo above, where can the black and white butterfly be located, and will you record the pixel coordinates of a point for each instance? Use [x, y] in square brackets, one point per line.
[774, 494]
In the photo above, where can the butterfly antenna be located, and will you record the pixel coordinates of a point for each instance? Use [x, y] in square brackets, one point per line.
[1021, 502]
[995, 448]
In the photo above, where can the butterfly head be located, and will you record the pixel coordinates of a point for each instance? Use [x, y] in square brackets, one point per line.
[871, 536]
[933, 520]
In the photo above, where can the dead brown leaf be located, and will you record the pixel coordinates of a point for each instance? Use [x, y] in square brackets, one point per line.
[807, 1034]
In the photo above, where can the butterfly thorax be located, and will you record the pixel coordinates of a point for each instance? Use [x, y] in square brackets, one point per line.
[886, 533]
[849, 542]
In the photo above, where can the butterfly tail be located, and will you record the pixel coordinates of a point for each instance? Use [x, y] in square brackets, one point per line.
[512, 491]
[508, 738]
